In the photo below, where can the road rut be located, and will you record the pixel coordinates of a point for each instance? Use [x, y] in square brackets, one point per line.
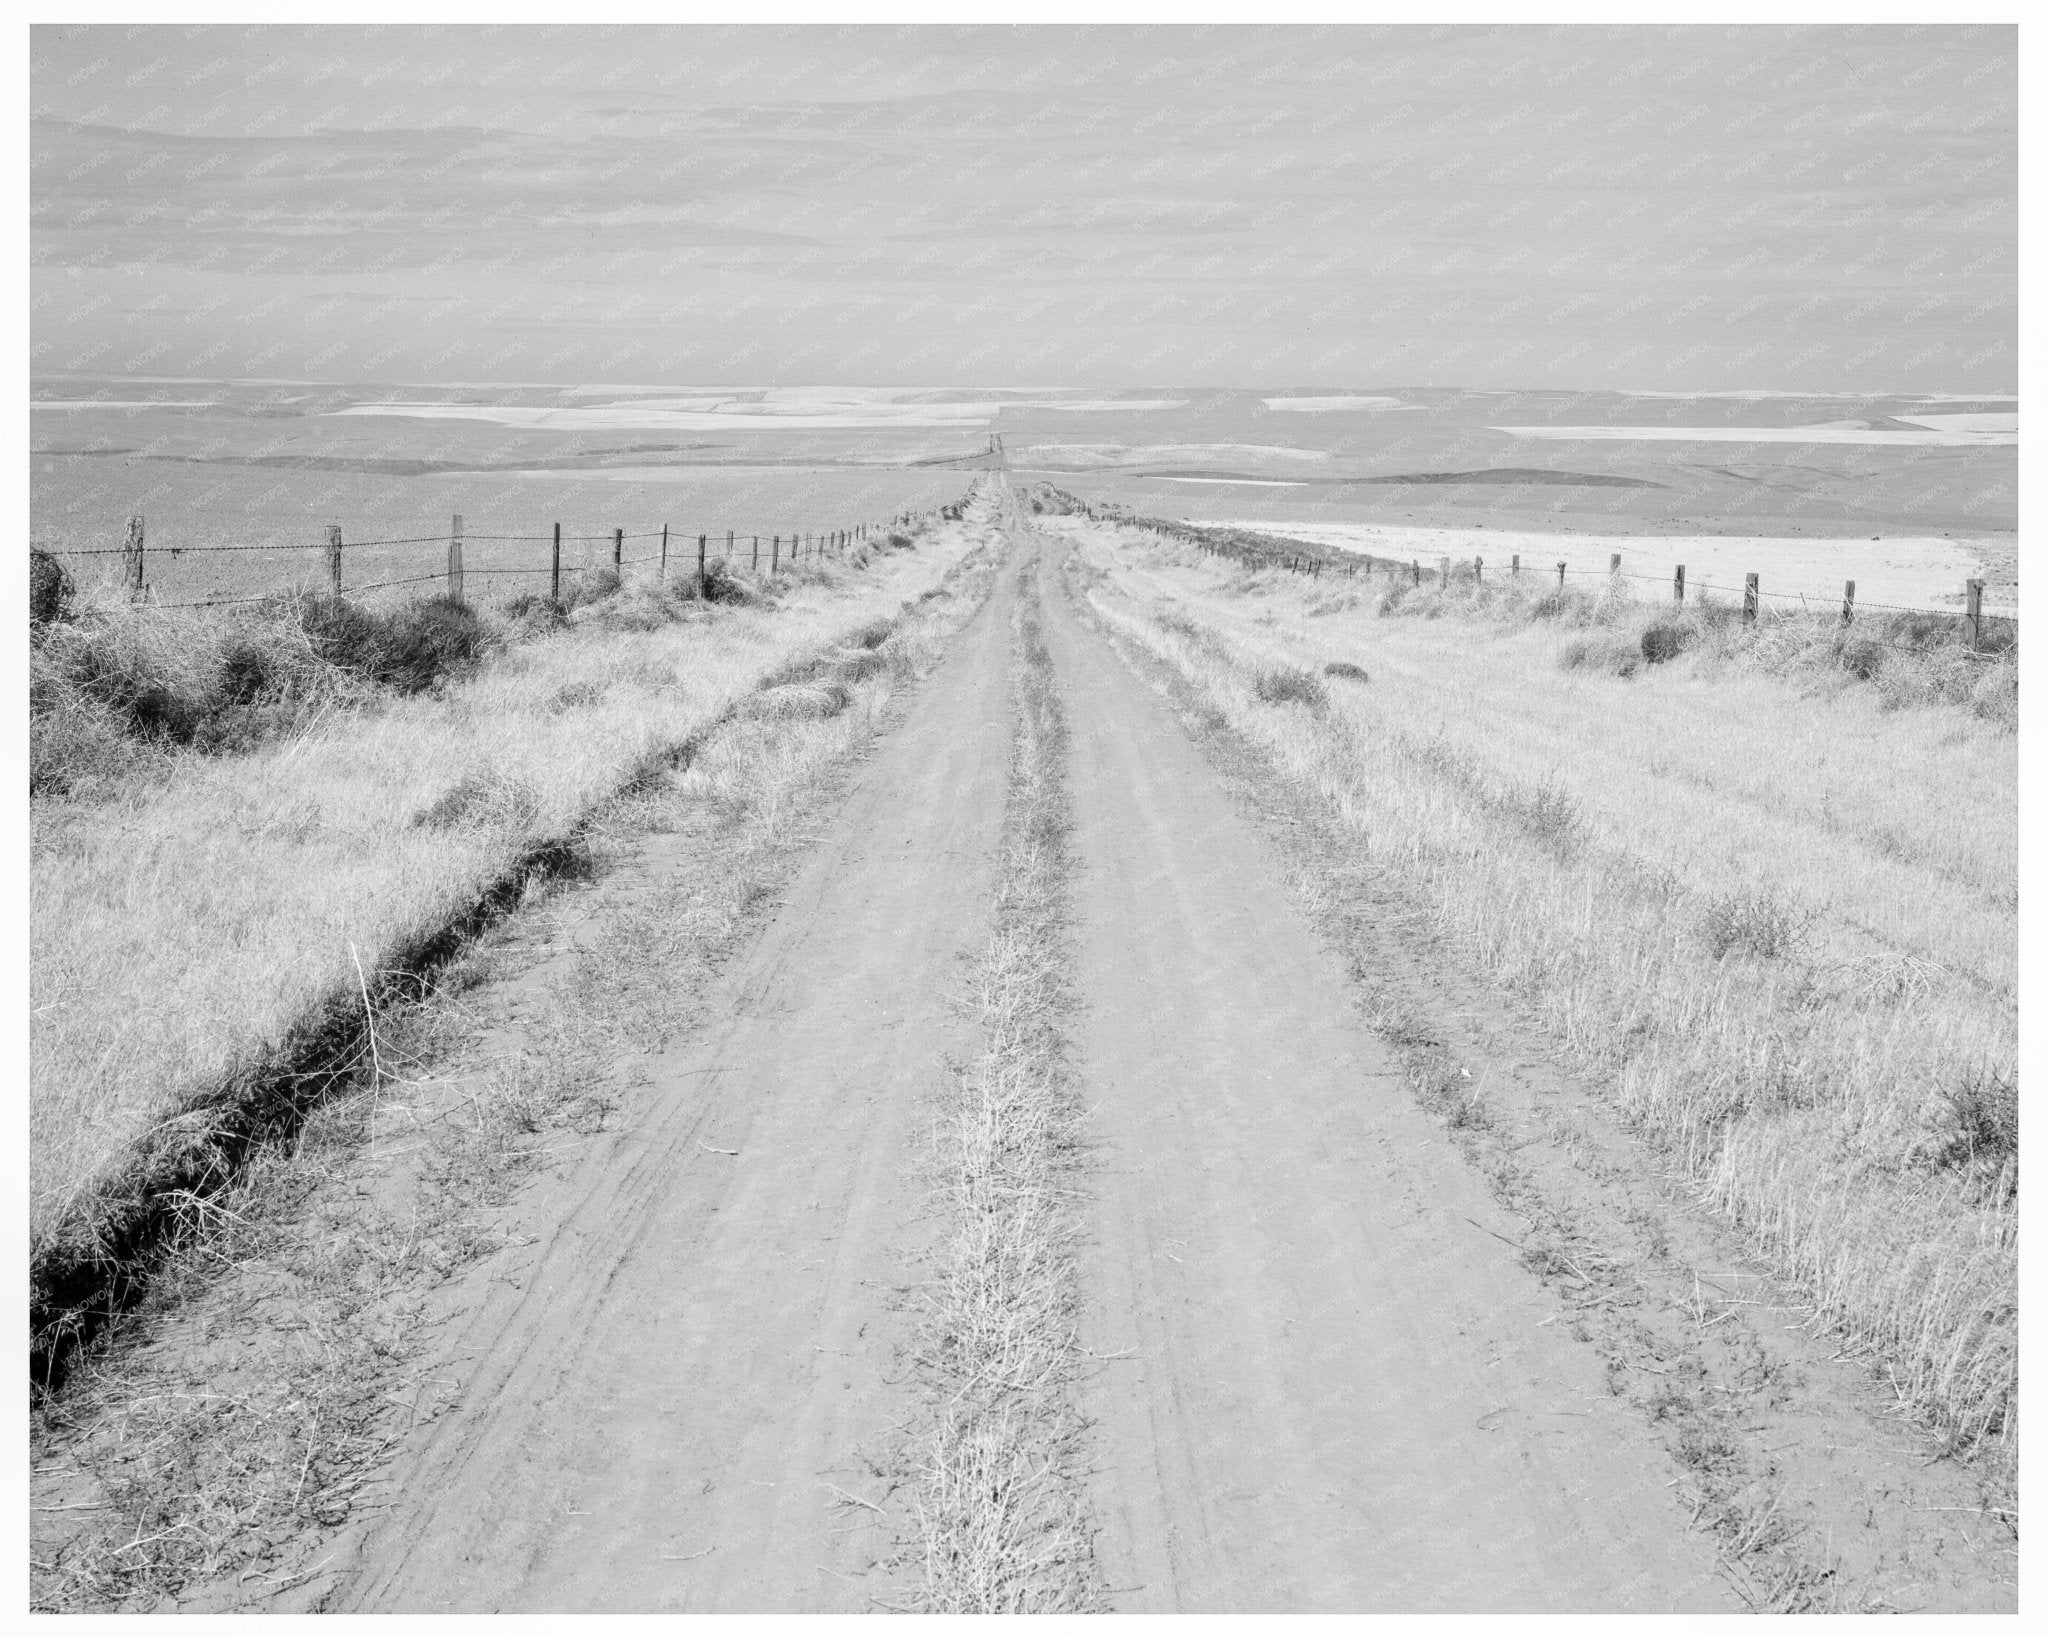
[669, 1412]
[1327, 1382]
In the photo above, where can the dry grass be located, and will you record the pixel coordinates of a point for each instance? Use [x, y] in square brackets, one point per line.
[998, 1484]
[187, 930]
[212, 1456]
[1776, 915]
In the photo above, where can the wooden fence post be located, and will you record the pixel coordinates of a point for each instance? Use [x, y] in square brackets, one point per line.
[1749, 598]
[555, 574]
[1678, 585]
[1478, 571]
[1848, 601]
[131, 559]
[1416, 564]
[334, 558]
[775, 555]
[1614, 564]
[455, 560]
[728, 548]
[1560, 577]
[619, 553]
[703, 582]
[1443, 574]
[1515, 567]
[1973, 614]
[757, 554]
[664, 554]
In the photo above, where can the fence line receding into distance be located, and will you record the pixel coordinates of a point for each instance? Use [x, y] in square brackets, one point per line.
[790, 549]
[1260, 551]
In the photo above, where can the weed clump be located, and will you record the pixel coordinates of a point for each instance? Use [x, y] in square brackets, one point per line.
[1290, 685]
[1754, 923]
[1603, 651]
[1346, 670]
[1549, 814]
[1980, 1128]
[534, 612]
[482, 799]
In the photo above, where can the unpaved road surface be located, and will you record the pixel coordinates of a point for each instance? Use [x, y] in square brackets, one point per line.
[1323, 1380]
[670, 1409]
[1329, 1386]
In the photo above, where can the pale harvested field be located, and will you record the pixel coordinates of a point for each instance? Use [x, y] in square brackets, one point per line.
[1780, 924]
[1904, 571]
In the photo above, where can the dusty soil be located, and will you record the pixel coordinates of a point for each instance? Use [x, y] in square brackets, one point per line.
[683, 1402]
[1328, 1385]
[1323, 1370]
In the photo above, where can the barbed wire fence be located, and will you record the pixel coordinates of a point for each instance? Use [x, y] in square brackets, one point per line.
[1982, 636]
[695, 553]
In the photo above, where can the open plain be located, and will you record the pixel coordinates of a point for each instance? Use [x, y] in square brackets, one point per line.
[1102, 1155]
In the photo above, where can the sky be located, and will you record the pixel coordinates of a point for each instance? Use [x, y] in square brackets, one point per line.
[1662, 209]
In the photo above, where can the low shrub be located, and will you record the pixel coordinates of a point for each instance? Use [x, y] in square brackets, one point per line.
[723, 584]
[428, 640]
[1665, 641]
[1290, 685]
[49, 589]
[223, 684]
[1346, 670]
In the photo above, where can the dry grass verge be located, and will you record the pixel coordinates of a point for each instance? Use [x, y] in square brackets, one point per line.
[219, 1451]
[1793, 970]
[205, 946]
[998, 1482]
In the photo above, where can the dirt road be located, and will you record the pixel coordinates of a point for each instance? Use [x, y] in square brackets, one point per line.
[1324, 1383]
[1330, 1386]
[671, 1408]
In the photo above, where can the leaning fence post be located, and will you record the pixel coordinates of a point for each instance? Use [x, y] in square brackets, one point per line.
[131, 559]
[455, 560]
[1848, 601]
[1973, 614]
[334, 558]
[1614, 563]
[664, 554]
[619, 552]
[1678, 584]
[555, 574]
[1749, 600]
[703, 584]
